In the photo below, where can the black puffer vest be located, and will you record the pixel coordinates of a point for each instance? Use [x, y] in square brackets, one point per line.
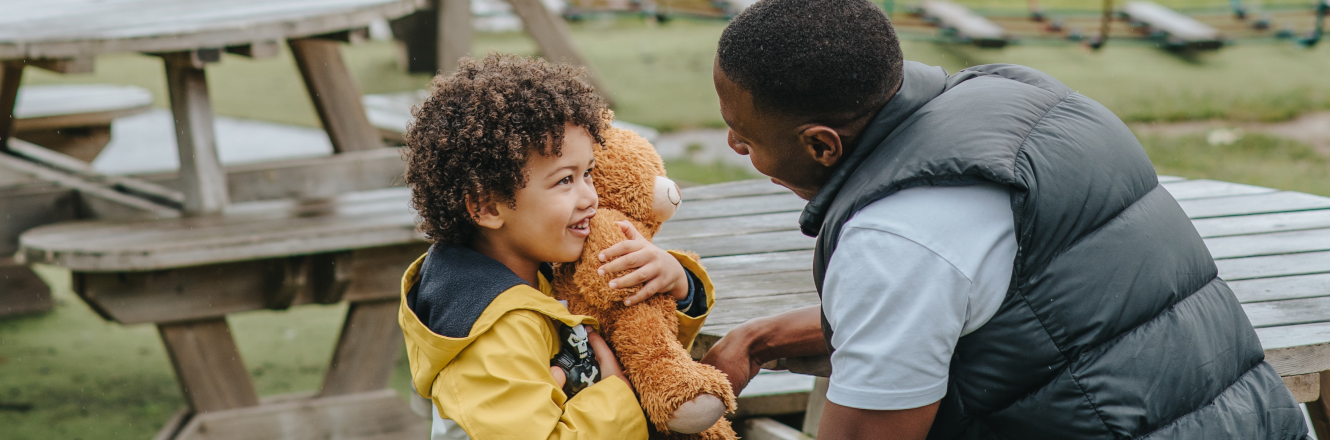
[1116, 324]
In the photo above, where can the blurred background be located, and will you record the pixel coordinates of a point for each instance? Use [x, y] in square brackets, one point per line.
[1255, 111]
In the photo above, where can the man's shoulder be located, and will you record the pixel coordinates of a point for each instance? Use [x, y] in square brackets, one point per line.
[960, 224]
[935, 210]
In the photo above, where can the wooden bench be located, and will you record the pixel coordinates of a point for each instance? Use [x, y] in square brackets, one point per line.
[75, 119]
[186, 274]
[966, 24]
[390, 113]
[1172, 29]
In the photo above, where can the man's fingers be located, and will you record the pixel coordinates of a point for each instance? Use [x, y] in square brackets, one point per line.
[559, 377]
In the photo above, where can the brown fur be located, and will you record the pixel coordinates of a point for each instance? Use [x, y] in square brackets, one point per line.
[645, 335]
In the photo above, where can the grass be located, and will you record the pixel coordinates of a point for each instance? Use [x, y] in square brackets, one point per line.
[661, 75]
[1254, 159]
[68, 374]
[704, 174]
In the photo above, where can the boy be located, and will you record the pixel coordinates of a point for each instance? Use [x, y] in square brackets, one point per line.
[500, 159]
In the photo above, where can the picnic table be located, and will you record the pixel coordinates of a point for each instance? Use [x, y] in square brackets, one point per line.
[186, 274]
[177, 263]
[1271, 246]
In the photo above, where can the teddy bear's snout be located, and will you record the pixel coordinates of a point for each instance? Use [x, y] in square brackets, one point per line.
[667, 199]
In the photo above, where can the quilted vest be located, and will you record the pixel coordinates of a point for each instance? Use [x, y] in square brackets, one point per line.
[1116, 324]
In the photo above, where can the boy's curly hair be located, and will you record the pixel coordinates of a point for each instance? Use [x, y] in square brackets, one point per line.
[475, 132]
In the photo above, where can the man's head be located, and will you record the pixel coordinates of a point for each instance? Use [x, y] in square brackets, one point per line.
[799, 79]
[502, 151]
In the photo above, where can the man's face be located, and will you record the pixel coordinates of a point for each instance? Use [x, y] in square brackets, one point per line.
[772, 142]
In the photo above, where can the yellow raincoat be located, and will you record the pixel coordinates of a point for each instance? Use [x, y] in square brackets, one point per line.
[494, 380]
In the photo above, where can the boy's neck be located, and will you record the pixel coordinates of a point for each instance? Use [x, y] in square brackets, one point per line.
[522, 267]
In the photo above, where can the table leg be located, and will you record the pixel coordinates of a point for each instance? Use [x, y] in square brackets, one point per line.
[208, 365]
[335, 95]
[367, 350]
[10, 75]
[817, 399]
[202, 179]
[21, 290]
[551, 34]
[1319, 410]
[454, 18]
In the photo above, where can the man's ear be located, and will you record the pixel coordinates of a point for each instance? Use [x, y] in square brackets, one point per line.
[484, 211]
[823, 144]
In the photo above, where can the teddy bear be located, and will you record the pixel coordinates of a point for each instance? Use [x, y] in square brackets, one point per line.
[681, 397]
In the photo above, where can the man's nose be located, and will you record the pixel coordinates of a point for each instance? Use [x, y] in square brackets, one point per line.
[735, 145]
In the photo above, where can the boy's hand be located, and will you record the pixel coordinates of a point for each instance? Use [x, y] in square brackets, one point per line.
[656, 270]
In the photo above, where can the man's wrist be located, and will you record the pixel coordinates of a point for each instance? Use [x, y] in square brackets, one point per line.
[794, 333]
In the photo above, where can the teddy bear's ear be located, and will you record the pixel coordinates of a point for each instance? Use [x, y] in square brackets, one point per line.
[625, 174]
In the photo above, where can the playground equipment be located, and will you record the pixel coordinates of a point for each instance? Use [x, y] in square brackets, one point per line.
[1135, 22]
[963, 23]
[1170, 28]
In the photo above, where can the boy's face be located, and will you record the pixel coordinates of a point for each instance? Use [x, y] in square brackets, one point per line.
[549, 219]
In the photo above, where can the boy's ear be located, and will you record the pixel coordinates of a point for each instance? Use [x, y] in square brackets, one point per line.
[484, 211]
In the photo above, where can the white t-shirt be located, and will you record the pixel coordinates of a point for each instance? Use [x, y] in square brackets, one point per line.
[911, 274]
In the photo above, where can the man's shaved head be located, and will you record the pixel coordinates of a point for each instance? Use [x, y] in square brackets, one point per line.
[814, 58]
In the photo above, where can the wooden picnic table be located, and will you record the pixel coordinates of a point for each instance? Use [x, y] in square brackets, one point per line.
[146, 276]
[186, 274]
[1271, 246]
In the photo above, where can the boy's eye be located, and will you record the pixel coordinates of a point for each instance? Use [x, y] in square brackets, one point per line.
[566, 180]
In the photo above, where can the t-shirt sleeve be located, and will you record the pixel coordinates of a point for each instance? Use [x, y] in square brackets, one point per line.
[897, 309]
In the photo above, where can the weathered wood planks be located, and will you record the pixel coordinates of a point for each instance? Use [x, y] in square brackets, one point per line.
[367, 350]
[739, 206]
[380, 414]
[202, 180]
[11, 75]
[80, 28]
[208, 365]
[1273, 247]
[268, 230]
[1201, 188]
[335, 94]
[1253, 204]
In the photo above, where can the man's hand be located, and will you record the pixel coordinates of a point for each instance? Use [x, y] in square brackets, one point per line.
[656, 270]
[741, 353]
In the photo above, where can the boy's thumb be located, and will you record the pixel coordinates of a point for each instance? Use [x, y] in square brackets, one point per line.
[559, 377]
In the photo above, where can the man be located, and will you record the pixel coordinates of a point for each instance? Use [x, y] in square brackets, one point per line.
[995, 256]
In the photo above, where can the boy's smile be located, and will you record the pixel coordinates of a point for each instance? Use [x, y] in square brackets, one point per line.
[549, 219]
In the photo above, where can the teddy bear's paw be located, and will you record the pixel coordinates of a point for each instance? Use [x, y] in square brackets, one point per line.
[697, 415]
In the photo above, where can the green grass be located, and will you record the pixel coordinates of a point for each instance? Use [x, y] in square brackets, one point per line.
[661, 76]
[1254, 159]
[85, 378]
[703, 174]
